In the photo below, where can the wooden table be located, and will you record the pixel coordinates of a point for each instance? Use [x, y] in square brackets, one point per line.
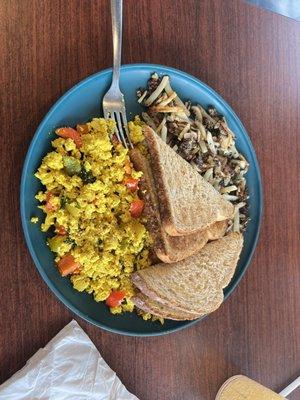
[252, 58]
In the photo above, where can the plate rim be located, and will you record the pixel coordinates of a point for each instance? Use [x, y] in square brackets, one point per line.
[39, 267]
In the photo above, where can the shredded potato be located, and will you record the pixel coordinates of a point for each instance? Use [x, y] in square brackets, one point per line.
[157, 91]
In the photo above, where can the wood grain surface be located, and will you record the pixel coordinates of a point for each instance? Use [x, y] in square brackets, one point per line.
[252, 58]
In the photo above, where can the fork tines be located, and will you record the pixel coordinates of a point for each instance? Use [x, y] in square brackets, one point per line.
[121, 129]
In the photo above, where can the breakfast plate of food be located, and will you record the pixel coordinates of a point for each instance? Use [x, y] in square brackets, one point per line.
[144, 240]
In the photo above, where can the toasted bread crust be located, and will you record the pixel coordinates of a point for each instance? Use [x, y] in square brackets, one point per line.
[148, 193]
[148, 305]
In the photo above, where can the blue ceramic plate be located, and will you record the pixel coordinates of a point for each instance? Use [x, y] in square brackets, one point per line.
[80, 104]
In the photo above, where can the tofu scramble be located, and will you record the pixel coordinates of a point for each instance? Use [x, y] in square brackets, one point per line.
[92, 208]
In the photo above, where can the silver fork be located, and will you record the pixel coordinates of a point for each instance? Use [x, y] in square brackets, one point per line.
[113, 101]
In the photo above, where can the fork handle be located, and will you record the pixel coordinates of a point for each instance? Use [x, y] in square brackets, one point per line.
[116, 20]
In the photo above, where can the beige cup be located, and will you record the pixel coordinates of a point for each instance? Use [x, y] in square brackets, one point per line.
[240, 387]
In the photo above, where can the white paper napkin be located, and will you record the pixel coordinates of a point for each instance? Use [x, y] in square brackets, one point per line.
[68, 368]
